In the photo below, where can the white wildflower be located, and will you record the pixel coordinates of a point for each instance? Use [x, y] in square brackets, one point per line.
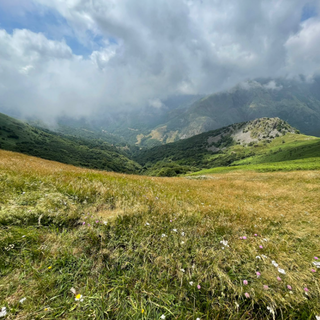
[265, 239]
[258, 257]
[281, 271]
[3, 312]
[198, 319]
[274, 263]
[22, 300]
[174, 230]
[263, 256]
[163, 235]
[79, 297]
[225, 243]
[163, 317]
[318, 317]
[191, 283]
[317, 264]
[182, 233]
[147, 224]
[105, 223]
[182, 270]
[182, 242]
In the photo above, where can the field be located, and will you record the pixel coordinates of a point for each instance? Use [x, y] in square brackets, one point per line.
[83, 244]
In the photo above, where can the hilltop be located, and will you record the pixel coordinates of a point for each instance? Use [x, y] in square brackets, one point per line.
[258, 141]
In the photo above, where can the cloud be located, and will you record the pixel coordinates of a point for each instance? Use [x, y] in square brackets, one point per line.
[303, 49]
[151, 50]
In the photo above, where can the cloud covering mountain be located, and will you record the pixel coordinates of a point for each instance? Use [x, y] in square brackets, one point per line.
[76, 57]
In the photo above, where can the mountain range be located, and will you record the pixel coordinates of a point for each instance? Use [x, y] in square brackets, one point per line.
[296, 101]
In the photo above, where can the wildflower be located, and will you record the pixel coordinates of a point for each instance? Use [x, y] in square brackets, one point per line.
[50, 267]
[247, 295]
[244, 238]
[317, 317]
[306, 289]
[182, 233]
[163, 317]
[265, 287]
[261, 247]
[289, 287]
[264, 239]
[142, 310]
[22, 300]
[170, 220]
[174, 230]
[163, 235]
[316, 258]
[225, 243]
[312, 270]
[46, 309]
[3, 312]
[198, 286]
[23, 236]
[279, 279]
[258, 274]
[255, 235]
[191, 283]
[317, 264]
[105, 223]
[241, 238]
[198, 319]
[97, 221]
[274, 263]
[263, 256]
[258, 257]
[79, 297]
[245, 282]
[182, 242]
[83, 223]
[281, 271]
[147, 224]
[182, 270]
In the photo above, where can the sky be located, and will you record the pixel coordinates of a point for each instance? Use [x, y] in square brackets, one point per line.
[78, 57]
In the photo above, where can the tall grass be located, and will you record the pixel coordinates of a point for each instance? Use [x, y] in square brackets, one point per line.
[140, 247]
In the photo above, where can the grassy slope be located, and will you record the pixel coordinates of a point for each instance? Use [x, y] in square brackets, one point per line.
[126, 266]
[18, 136]
[287, 153]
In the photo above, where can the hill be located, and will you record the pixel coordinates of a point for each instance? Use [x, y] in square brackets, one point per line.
[83, 244]
[258, 141]
[21, 137]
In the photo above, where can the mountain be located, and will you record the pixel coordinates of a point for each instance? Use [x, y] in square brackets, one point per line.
[297, 102]
[18, 136]
[130, 127]
[271, 139]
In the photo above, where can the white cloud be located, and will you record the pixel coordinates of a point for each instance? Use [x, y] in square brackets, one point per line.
[304, 49]
[151, 50]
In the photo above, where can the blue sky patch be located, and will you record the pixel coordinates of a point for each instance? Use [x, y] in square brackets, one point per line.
[52, 25]
[308, 12]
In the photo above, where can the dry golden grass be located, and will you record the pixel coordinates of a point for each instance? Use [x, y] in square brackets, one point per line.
[282, 207]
